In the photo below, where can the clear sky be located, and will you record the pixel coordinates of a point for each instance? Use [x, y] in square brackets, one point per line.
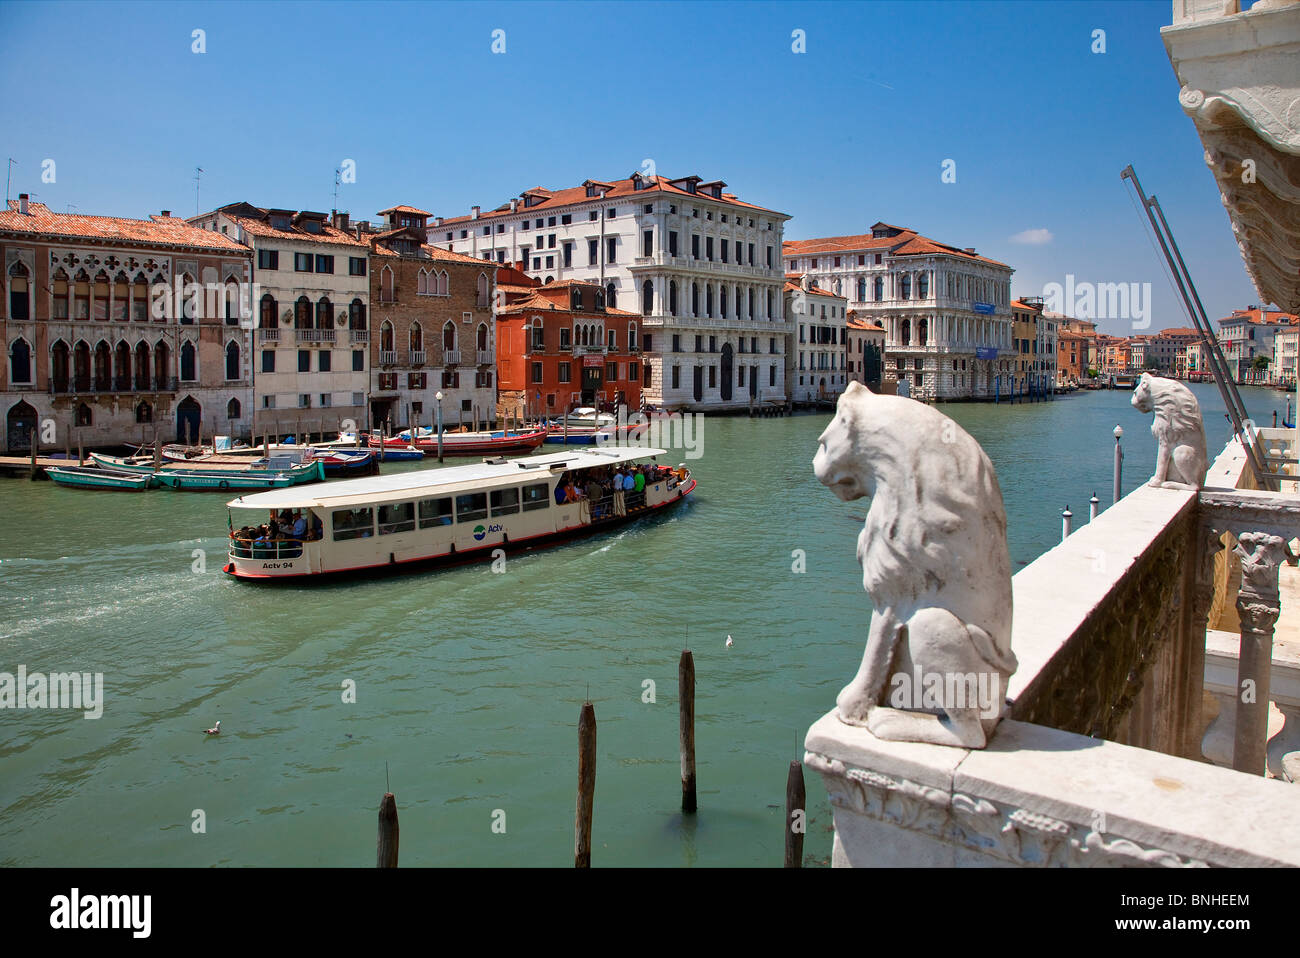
[854, 130]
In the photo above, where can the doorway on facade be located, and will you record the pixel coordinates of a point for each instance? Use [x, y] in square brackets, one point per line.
[726, 371]
[380, 412]
[871, 367]
[753, 382]
[188, 414]
[21, 422]
[593, 379]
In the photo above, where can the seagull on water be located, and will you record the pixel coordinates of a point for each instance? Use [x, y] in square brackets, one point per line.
[729, 642]
[215, 730]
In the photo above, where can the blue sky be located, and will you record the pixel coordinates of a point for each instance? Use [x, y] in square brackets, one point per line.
[854, 130]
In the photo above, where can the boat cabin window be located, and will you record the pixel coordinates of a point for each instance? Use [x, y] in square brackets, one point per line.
[471, 507]
[397, 517]
[435, 512]
[505, 502]
[354, 523]
[536, 496]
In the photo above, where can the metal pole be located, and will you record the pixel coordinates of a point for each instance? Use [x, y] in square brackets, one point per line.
[1066, 516]
[1093, 503]
[1119, 465]
[440, 427]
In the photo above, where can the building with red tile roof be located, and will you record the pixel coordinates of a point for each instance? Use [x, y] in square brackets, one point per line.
[701, 266]
[816, 365]
[1246, 336]
[121, 330]
[311, 371]
[946, 309]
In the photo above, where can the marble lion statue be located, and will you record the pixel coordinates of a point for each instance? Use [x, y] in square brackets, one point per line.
[1181, 460]
[934, 561]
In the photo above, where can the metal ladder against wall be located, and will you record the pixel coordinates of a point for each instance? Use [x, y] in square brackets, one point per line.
[1242, 425]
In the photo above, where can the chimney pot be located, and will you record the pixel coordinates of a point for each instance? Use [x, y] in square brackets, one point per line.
[22, 203]
[475, 210]
[514, 205]
[166, 213]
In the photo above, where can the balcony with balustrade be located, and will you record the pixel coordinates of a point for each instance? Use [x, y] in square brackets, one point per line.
[314, 335]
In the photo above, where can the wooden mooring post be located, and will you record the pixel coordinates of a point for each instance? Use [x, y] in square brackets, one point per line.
[386, 846]
[586, 786]
[686, 727]
[796, 816]
[35, 446]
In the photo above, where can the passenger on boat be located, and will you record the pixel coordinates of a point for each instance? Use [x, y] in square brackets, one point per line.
[638, 481]
[317, 527]
[571, 492]
[620, 504]
[561, 491]
[299, 526]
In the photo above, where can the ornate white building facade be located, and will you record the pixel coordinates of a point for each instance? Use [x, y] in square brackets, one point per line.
[701, 266]
[946, 310]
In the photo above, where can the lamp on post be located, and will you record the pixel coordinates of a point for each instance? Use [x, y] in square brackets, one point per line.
[438, 396]
[1119, 462]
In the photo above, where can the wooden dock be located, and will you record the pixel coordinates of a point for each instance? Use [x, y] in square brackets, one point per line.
[20, 467]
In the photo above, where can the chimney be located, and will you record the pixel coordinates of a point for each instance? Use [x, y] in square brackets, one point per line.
[341, 221]
[437, 220]
[475, 210]
[22, 203]
[514, 205]
[971, 250]
[166, 213]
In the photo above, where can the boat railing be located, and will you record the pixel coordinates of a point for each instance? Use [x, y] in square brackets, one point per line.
[266, 549]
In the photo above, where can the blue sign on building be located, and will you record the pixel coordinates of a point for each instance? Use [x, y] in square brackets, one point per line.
[986, 352]
[983, 307]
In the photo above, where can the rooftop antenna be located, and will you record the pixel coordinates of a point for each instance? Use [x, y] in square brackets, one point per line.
[9, 175]
[198, 172]
[338, 173]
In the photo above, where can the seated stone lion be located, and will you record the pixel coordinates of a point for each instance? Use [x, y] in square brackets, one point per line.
[934, 561]
[1181, 460]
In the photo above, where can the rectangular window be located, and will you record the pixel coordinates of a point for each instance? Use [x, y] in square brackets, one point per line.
[593, 252]
[323, 364]
[611, 372]
[304, 360]
[268, 259]
[302, 262]
[647, 242]
[304, 400]
[645, 342]
[537, 372]
[713, 377]
[708, 248]
[268, 360]
[677, 342]
[564, 373]
[435, 512]
[672, 243]
[677, 377]
[358, 399]
[699, 343]
[353, 523]
[695, 246]
[268, 402]
[632, 372]
[471, 507]
[504, 502]
[356, 266]
[358, 361]
[751, 254]
[724, 251]
[566, 219]
[326, 400]
[324, 264]
[550, 262]
[398, 517]
[769, 257]
[550, 241]
[568, 255]
[536, 496]
[646, 381]
[611, 249]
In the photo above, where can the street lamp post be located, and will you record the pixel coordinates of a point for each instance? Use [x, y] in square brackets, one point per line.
[1119, 463]
[438, 396]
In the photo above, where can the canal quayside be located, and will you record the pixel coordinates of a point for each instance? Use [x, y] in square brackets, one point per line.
[454, 514]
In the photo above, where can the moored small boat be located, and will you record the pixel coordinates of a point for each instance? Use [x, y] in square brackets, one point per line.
[311, 471]
[203, 480]
[490, 443]
[93, 477]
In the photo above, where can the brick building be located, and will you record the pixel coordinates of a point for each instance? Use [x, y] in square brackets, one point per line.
[432, 326]
[117, 329]
[561, 347]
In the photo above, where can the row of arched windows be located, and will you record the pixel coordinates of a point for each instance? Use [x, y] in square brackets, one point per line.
[85, 416]
[308, 315]
[80, 368]
[415, 337]
[119, 298]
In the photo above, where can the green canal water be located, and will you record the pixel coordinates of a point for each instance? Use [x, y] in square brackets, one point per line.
[469, 683]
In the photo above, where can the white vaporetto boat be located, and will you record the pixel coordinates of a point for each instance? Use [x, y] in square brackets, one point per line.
[453, 514]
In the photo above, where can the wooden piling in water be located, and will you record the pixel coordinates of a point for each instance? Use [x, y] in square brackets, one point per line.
[586, 786]
[686, 727]
[386, 846]
[34, 444]
[795, 806]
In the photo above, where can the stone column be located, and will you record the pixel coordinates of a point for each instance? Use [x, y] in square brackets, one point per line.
[1258, 605]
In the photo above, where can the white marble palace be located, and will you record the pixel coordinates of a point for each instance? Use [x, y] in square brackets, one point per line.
[702, 266]
[946, 310]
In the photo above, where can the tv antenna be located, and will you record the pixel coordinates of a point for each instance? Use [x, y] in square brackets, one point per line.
[8, 176]
[198, 173]
[338, 173]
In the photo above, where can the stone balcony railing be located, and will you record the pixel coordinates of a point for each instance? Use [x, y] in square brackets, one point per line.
[1098, 758]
